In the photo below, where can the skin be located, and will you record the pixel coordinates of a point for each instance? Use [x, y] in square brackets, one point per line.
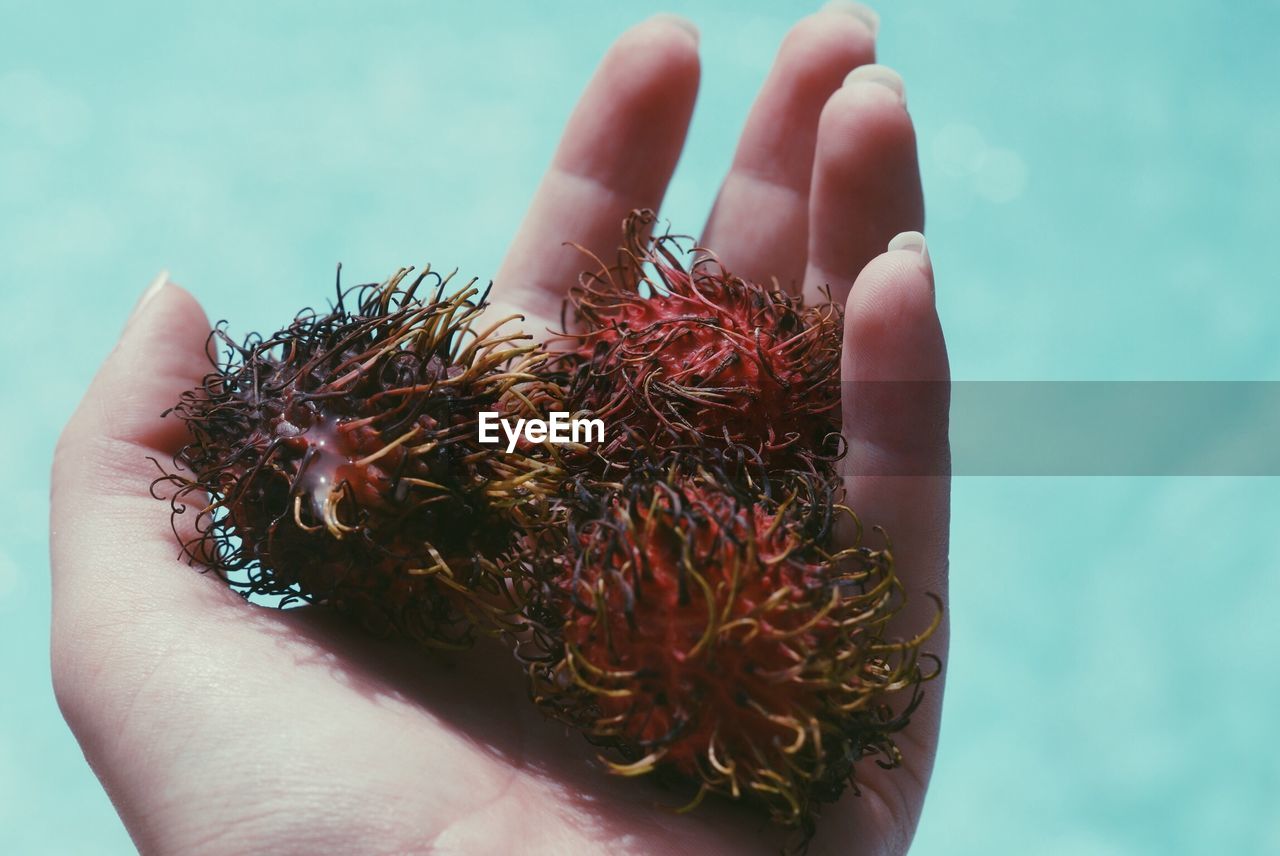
[217, 728]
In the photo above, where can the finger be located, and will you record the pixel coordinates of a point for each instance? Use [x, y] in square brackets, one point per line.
[758, 224]
[866, 180]
[896, 392]
[113, 550]
[894, 366]
[617, 153]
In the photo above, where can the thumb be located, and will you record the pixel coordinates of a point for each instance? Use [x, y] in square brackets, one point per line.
[112, 548]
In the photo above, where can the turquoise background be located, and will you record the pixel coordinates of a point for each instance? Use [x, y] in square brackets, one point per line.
[1102, 182]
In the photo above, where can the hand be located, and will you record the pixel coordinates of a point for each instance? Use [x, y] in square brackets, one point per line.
[216, 727]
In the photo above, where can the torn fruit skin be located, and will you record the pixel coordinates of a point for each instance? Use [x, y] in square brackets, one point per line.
[337, 461]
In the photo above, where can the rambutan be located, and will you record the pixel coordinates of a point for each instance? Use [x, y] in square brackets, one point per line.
[674, 592]
[337, 461]
[669, 356]
[700, 630]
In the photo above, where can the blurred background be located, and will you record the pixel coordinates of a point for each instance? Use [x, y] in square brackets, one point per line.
[1102, 184]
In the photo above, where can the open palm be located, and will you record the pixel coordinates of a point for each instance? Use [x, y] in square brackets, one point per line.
[216, 727]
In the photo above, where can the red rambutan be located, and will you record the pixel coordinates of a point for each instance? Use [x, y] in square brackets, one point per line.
[702, 631]
[700, 356]
[337, 461]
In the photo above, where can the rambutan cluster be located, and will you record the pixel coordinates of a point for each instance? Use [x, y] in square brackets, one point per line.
[690, 594]
[337, 460]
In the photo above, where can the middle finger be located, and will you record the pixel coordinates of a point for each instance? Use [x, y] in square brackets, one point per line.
[759, 224]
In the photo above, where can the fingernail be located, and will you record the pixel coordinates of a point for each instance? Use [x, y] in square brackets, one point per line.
[865, 14]
[914, 242]
[679, 21]
[881, 74]
[161, 280]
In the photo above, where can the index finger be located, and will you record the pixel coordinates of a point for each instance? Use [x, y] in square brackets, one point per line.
[617, 153]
